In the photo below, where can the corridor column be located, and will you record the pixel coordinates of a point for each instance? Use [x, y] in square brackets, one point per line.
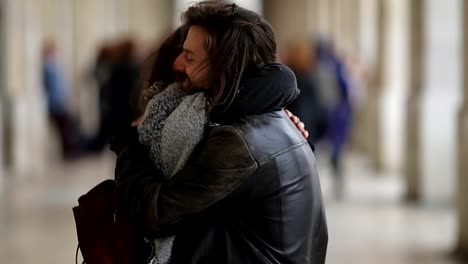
[376, 87]
[463, 147]
[335, 23]
[355, 26]
[290, 19]
[412, 166]
[158, 14]
[3, 99]
[314, 17]
[347, 24]
[358, 137]
[323, 26]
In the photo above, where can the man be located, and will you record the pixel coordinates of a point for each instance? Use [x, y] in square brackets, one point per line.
[250, 192]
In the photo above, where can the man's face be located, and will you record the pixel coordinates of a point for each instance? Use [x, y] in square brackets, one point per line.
[193, 61]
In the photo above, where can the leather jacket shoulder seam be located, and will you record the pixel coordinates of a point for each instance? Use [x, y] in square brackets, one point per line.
[265, 160]
[237, 131]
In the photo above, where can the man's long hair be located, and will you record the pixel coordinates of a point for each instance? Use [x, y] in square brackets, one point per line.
[238, 39]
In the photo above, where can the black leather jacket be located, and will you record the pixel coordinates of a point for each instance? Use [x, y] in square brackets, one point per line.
[250, 194]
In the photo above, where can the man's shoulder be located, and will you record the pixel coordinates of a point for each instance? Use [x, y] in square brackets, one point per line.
[264, 135]
[223, 148]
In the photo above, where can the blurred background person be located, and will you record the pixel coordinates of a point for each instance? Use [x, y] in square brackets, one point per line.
[117, 75]
[324, 105]
[309, 106]
[334, 84]
[57, 94]
[101, 74]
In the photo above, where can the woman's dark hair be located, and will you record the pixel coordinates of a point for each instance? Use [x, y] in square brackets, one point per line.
[238, 39]
[163, 59]
[158, 67]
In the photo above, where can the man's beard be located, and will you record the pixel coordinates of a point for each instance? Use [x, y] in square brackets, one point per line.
[187, 85]
[182, 78]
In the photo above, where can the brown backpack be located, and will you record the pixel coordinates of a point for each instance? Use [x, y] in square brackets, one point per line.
[105, 235]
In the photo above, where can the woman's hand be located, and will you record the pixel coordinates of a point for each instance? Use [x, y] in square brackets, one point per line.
[298, 124]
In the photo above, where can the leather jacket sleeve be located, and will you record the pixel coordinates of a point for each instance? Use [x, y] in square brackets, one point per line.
[219, 166]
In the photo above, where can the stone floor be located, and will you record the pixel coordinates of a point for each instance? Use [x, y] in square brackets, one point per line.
[370, 225]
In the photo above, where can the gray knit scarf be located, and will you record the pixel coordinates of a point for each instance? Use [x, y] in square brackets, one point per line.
[173, 124]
